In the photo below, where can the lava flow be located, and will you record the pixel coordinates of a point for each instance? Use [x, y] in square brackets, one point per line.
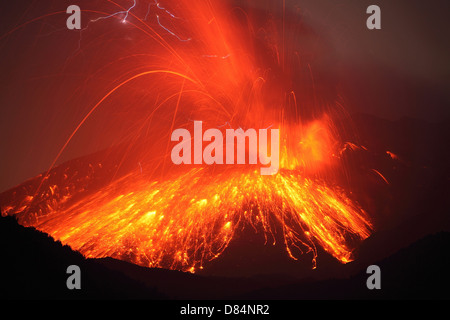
[184, 222]
[227, 66]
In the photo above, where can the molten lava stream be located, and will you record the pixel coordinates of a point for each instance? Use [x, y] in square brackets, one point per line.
[184, 222]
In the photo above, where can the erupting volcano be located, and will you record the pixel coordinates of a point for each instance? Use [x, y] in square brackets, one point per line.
[158, 66]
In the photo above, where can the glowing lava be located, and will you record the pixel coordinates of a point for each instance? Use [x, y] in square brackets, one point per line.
[187, 219]
[185, 222]
[200, 64]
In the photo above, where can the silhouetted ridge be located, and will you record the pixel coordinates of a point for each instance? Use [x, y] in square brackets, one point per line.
[34, 267]
[419, 271]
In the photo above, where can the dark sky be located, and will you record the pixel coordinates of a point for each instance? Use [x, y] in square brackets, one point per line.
[399, 71]
[407, 60]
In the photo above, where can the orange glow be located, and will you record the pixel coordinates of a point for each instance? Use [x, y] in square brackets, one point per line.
[214, 65]
[310, 146]
[184, 222]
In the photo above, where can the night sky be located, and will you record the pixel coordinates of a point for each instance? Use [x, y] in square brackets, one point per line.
[399, 71]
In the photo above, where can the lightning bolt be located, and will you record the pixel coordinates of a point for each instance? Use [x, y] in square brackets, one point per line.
[126, 12]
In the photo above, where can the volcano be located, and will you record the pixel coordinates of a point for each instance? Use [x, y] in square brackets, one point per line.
[68, 188]
[405, 231]
[349, 188]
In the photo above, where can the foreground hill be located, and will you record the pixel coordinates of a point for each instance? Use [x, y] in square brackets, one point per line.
[34, 265]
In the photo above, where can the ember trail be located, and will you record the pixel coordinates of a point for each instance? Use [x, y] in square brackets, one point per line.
[240, 67]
